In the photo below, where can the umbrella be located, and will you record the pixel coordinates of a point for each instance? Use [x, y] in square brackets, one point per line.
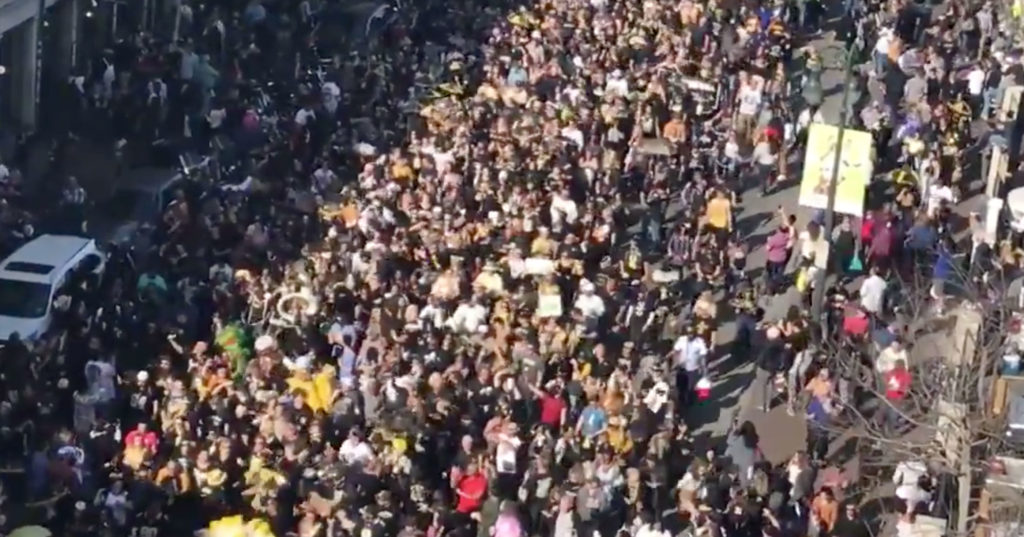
[31, 531]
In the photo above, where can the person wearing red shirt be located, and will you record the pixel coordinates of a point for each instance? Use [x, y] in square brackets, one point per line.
[471, 489]
[897, 384]
[148, 438]
[552, 407]
[856, 322]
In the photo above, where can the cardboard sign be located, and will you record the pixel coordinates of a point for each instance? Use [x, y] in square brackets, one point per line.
[549, 306]
[539, 266]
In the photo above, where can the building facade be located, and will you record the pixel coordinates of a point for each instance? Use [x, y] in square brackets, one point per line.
[38, 51]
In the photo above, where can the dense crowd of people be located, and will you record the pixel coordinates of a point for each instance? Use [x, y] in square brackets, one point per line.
[466, 273]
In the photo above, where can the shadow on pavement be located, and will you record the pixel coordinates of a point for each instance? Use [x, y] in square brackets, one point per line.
[725, 395]
[750, 223]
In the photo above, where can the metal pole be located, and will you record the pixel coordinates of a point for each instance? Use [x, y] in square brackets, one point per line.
[818, 298]
[40, 50]
[75, 31]
[177, 24]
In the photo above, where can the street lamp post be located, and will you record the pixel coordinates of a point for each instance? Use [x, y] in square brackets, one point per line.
[818, 298]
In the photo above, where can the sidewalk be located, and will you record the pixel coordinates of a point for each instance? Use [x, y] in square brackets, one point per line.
[92, 162]
[781, 435]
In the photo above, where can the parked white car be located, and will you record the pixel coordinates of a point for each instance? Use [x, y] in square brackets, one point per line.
[32, 277]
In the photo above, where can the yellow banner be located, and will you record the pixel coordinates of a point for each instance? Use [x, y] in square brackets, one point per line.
[855, 168]
[235, 526]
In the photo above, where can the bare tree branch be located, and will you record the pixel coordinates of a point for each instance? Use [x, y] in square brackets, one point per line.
[948, 418]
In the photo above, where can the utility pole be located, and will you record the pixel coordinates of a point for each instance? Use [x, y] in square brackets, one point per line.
[818, 298]
[115, 13]
[40, 45]
[177, 24]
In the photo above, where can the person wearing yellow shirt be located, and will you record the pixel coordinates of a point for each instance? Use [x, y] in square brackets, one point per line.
[401, 171]
[618, 436]
[350, 214]
[542, 246]
[718, 215]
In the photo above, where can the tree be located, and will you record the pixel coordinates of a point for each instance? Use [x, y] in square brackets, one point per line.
[948, 420]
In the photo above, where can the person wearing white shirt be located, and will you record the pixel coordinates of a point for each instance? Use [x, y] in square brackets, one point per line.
[589, 303]
[872, 292]
[515, 263]
[432, 315]
[354, 450]
[331, 96]
[691, 354]
[813, 246]
[563, 209]
[750, 97]
[881, 52]
[322, 178]
[731, 150]
[468, 317]
[907, 478]
[574, 135]
[650, 530]
[616, 84]
[937, 195]
[976, 81]
[303, 116]
[506, 452]
[887, 359]
[565, 525]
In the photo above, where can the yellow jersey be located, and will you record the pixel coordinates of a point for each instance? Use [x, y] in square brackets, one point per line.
[719, 212]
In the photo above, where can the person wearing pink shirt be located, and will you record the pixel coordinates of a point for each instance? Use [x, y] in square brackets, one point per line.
[777, 247]
[141, 434]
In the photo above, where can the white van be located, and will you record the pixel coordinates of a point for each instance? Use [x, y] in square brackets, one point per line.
[31, 277]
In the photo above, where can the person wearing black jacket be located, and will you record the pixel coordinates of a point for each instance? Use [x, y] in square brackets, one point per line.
[991, 91]
[771, 360]
[850, 524]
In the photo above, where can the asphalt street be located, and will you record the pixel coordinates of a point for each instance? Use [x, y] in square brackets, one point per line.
[732, 392]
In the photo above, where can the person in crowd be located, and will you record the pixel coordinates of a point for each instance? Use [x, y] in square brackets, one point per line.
[824, 512]
[897, 384]
[872, 292]
[851, 523]
[463, 268]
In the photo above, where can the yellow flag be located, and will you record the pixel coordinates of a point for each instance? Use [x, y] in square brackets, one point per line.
[323, 385]
[231, 526]
[303, 385]
[258, 528]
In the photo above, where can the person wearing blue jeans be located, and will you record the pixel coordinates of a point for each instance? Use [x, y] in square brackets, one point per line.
[881, 62]
[990, 97]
